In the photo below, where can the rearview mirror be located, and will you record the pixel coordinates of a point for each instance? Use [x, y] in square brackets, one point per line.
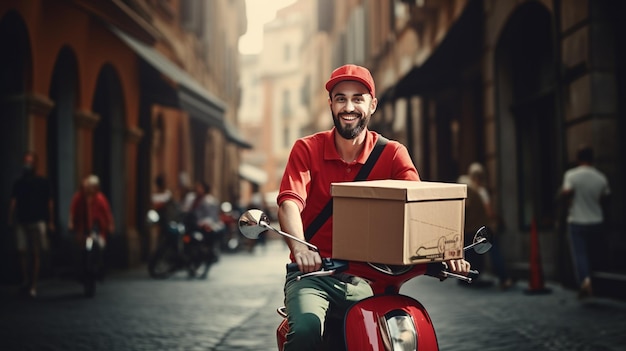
[482, 240]
[252, 223]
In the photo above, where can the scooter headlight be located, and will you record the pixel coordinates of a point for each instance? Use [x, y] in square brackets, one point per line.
[401, 331]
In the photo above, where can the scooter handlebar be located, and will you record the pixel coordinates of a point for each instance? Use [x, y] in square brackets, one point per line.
[328, 264]
[434, 269]
[440, 270]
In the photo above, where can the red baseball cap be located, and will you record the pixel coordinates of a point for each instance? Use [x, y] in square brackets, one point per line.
[352, 72]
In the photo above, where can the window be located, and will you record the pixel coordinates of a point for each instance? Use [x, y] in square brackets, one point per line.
[287, 52]
[286, 107]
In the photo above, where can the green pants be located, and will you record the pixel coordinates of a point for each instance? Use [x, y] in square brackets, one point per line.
[308, 300]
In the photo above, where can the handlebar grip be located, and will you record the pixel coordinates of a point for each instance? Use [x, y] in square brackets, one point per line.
[473, 274]
[327, 265]
[434, 269]
[292, 267]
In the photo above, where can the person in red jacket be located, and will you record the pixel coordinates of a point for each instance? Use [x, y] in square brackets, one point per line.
[90, 209]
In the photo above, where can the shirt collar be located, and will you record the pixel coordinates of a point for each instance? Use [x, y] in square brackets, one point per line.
[330, 150]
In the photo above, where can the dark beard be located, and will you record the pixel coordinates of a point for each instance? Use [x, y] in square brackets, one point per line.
[350, 133]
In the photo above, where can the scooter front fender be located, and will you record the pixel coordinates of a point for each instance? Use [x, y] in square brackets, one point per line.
[375, 323]
[281, 334]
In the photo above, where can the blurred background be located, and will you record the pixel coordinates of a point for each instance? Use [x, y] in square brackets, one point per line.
[219, 90]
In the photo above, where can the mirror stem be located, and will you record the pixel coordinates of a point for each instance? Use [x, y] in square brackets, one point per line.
[480, 241]
[311, 246]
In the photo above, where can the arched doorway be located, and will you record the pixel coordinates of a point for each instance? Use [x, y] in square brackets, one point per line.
[15, 75]
[108, 155]
[62, 145]
[529, 132]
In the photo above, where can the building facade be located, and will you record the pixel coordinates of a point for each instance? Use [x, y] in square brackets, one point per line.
[126, 90]
[276, 102]
[516, 85]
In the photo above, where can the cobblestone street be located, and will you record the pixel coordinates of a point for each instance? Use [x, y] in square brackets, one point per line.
[234, 309]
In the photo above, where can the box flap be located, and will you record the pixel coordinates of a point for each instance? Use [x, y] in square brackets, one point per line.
[404, 190]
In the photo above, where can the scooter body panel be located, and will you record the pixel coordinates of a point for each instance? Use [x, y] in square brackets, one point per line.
[281, 334]
[381, 320]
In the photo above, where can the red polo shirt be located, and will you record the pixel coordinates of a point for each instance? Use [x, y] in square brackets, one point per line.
[314, 164]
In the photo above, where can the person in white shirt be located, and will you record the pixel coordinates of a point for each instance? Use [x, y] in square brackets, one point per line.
[587, 191]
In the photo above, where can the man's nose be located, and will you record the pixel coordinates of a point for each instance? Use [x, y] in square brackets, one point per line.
[349, 106]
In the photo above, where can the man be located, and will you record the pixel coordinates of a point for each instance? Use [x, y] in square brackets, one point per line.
[315, 162]
[587, 191]
[90, 209]
[32, 205]
[203, 213]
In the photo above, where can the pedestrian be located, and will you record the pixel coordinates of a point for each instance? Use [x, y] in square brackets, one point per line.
[31, 207]
[203, 214]
[90, 210]
[163, 203]
[315, 162]
[587, 192]
[475, 218]
[162, 197]
[257, 201]
[476, 176]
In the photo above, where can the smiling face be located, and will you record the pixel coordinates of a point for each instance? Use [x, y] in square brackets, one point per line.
[352, 106]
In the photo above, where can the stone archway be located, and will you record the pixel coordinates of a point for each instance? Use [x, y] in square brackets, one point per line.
[528, 125]
[62, 134]
[108, 155]
[15, 75]
[61, 149]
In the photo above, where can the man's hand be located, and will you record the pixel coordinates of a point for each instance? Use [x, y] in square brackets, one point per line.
[459, 266]
[307, 260]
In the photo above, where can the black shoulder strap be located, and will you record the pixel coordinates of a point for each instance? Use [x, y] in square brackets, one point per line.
[327, 211]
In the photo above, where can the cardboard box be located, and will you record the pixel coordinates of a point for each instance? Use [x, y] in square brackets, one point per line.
[398, 222]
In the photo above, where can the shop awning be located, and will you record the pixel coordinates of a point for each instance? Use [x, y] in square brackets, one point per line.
[459, 48]
[233, 135]
[252, 174]
[192, 97]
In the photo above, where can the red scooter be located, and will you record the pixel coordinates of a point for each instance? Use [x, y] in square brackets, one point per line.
[386, 321]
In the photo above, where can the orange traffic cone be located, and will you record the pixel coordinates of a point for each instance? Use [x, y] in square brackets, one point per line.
[535, 281]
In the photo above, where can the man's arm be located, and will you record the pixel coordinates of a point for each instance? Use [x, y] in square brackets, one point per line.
[605, 204]
[291, 222]
[11, 211]
[107, 213]
[51, 215]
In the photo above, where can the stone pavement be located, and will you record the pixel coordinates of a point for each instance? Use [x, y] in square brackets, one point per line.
[490, 319]
[234, 309]
[131, 311]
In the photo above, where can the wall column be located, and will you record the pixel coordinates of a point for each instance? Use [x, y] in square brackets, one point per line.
[132, 137]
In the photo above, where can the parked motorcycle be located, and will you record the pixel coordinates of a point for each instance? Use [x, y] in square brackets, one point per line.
[385, 321]
[231, 240]
[181, 248]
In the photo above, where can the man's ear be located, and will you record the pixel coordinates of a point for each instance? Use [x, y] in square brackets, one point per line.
[373, 105]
